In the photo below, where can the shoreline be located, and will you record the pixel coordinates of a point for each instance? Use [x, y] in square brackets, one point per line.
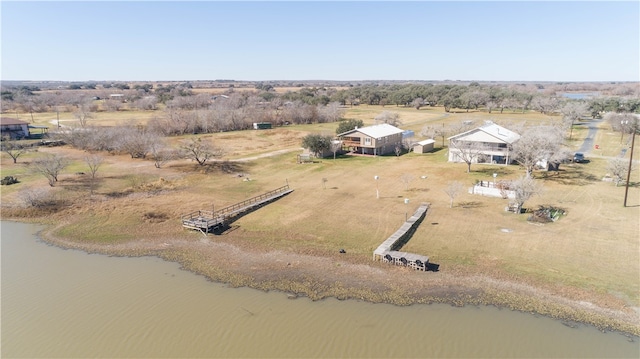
[345, 277]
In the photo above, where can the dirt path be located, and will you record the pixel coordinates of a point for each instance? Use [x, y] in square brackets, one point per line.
[268, 154]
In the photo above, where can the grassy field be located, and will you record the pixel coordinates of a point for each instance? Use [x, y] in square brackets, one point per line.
[594, 248]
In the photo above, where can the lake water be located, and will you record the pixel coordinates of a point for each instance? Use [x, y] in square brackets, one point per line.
[580, 95]
[66, 303]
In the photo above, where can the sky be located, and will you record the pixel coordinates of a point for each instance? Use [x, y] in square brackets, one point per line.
[325, 40]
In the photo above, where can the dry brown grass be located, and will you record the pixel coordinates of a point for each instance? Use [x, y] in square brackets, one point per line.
[592, 254]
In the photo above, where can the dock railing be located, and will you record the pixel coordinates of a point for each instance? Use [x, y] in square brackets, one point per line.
[206, 220]
[251, 201]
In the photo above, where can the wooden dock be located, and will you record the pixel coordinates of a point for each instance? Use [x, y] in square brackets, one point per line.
[207, 221]
[388, 250]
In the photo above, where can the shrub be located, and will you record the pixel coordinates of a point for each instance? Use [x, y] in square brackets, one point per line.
[8, 180]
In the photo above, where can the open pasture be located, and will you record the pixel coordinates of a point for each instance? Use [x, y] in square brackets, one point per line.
[594, 247]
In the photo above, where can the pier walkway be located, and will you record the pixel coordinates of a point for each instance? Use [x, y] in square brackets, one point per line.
[388, 250]
[207, 221]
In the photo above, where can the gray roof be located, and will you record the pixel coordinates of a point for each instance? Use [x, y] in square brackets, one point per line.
[11, 121]
[491, 130]
[376, 131]
[426, 142]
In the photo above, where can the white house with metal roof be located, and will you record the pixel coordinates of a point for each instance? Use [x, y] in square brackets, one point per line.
[491, 140]
[372, 140]
[13, 128]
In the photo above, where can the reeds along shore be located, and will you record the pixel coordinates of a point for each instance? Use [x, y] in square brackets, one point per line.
[322, 277]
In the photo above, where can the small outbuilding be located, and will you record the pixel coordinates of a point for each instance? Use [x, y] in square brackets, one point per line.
[424, 146]
[262, 125]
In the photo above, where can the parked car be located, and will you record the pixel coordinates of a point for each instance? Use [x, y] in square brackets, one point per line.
[578, 157]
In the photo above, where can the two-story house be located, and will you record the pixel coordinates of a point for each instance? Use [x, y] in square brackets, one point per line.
[492, 141]
[372, 140]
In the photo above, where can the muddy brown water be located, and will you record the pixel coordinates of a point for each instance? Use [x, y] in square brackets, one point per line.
[66, 303]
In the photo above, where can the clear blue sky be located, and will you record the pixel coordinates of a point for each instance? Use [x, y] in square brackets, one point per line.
[301, 40]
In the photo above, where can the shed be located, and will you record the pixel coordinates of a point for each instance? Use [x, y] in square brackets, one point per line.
[262, 125]
[424, 146]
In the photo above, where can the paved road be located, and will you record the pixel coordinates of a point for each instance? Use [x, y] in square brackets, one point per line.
[587, 145]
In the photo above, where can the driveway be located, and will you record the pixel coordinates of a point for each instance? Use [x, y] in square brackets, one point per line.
[587, 145]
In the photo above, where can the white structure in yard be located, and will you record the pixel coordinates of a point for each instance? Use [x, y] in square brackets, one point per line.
[424, 146]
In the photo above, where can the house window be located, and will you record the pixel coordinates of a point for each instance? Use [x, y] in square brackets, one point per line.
[367, 141]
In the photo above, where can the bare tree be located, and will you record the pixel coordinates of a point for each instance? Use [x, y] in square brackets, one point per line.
[332, 112]
[618, 169]
[93, 162]
[462, 126]
[13, 148]
[490, 105]
[50, 166]
[161, 153]
[453, 190]
[83, 113]
[524, 188]
[417, 103]
[406, 179]
[35, 197]
[136, 141]
[432, 132]
[545, 104]
[407, 143]
[112, 105]
[571, 112]
[27, 102]
[468, 152]
[146, 103]
[623, 122]
[536, 145]
[391, 118]
[199, 151]
[429, 131]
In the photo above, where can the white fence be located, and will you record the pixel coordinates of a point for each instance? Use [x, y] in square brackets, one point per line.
[492, 189]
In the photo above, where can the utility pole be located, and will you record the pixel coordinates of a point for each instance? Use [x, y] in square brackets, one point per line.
[633, 140]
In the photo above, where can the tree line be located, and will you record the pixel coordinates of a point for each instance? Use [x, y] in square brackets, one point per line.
[474, 96]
